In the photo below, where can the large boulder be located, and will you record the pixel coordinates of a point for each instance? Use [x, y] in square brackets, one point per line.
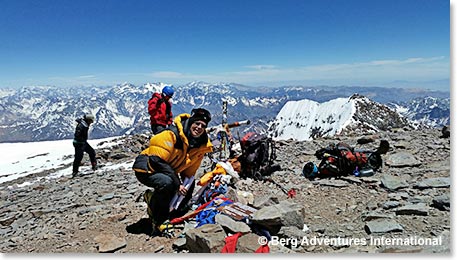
[231, 225]
[209, 238]
[274, 217]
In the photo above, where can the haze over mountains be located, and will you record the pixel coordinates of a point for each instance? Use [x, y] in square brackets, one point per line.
[47, 113]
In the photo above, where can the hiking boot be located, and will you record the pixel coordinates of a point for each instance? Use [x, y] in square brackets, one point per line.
[167, 229]
[74, 174]
[383, 147]
[155, 229]
[94, 167]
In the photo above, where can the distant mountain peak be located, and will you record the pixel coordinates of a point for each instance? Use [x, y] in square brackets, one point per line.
[307, 119]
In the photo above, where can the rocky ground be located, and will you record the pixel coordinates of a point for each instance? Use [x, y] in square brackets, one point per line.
[96, 212]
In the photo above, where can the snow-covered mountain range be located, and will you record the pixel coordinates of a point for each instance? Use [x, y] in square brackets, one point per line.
[426, 112]
[47, 113]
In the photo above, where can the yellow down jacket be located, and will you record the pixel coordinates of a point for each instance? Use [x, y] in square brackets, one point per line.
[182, 160]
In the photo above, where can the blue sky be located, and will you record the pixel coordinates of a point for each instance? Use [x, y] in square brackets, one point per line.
[310, 42]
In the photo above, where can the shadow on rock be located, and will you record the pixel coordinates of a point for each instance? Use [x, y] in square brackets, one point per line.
[143, 226]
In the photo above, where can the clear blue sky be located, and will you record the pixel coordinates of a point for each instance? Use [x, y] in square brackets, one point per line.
[269, 42]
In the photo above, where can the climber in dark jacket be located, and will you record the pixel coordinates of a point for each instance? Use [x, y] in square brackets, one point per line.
[81, 145]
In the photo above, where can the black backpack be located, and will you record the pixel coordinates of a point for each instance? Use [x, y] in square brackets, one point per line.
[258, 154]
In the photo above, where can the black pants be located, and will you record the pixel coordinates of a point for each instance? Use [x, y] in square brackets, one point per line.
[79, 153]
[164, 191]
[157, 128]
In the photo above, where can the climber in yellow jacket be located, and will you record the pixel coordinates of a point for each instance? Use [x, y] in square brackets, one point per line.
[174, 154]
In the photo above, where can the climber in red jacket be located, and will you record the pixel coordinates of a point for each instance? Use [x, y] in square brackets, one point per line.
[159, 108]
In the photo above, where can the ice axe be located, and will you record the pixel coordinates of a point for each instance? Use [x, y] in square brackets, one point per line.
[239, 123]
[231, 125]
[290, 193]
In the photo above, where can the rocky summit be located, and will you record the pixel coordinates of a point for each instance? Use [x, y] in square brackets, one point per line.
[403, 208]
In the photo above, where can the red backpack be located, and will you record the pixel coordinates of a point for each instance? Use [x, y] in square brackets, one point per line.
[340, 160]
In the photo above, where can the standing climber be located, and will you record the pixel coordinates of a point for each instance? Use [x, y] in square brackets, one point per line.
[81, 145]
[159, 108]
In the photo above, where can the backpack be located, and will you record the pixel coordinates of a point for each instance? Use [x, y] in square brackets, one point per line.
[341, 159]
[258, 154]
[159, 102]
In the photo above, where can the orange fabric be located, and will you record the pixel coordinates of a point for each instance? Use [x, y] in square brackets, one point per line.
[349, 155]
[361, 158]
[210, 175]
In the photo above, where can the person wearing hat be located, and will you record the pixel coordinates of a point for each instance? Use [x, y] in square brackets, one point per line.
[159, 109]
[173, 155]
[81, 145]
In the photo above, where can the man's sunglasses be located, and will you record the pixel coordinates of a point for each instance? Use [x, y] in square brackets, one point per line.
[201, 124]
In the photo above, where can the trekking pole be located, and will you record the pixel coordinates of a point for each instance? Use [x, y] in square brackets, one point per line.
[290, 193]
